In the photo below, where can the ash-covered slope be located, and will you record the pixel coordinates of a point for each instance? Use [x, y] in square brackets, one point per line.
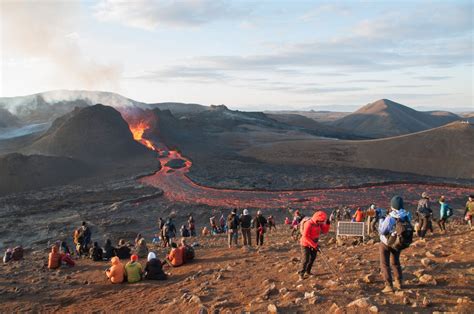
[94, 133]
[8, 120]
[385, 118]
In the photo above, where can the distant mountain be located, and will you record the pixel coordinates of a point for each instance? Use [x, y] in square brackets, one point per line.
[385, 118]
[8, 120]
[92, 133]
[178, 108]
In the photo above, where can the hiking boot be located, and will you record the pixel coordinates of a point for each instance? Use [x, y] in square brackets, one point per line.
[397, 285]
[387, 289]
[302, 277]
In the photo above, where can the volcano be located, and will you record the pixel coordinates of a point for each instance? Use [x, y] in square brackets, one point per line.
[386, 118]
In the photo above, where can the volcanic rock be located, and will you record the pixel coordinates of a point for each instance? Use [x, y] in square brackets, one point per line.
[176, 163]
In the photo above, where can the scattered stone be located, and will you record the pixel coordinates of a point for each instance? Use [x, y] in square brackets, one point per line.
[370, 278]
[428, 279]
[195, 299]
[374, 309]
[418, 273]
[429, 254]
[370, 242]
[298, 301]
[283, 290]
[203, 310]
[272, 308]
[186, 296]
[463, 300]
[313, 300]
[406, 300]
[426, 262]
[335, 308]
[362, 303]
[426, 302]
[309, 295]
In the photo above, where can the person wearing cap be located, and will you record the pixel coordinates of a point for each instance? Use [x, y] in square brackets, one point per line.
[154, 268]
[424, 212]
[469, 212]
[245, 225]
[311, 230]
[133, 270]
[232, 228]
[260, 224]
[389, 257]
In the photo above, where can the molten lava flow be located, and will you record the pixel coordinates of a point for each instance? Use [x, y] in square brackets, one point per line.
[137, 130]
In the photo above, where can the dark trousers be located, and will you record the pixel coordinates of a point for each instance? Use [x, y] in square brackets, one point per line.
[308, 256]
[259, 237]
[390, 261]
[425, 223]
[246, 235]
[442, 223]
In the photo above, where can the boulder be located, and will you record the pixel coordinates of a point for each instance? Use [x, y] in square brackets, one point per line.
[272, 308]
[427, 279]
[426, 262]
[309, 295]
[361, 303]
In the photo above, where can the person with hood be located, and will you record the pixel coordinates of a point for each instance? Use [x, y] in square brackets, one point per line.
[96, 253]
[175, 257]
[8, 255]
[260, 224]
[389, 256]
[469, 212]
[109, 250]
[424, 212]
[312, 228]
[133, 270]
[116, 272]
[123, 250]
[232, 228]
[154, 268]
[246, 225]
[445, 211]
[141, 249]
[54, 258]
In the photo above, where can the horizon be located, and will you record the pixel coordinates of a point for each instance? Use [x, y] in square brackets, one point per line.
[248, 56]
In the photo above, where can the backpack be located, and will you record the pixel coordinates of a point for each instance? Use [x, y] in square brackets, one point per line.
[449, 212]
[402, 236]
[232, 222]
[303, 222]
[17, 253]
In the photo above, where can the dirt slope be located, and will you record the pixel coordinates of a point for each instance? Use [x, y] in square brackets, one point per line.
[385, 118]
[445, 152]
[238, 280]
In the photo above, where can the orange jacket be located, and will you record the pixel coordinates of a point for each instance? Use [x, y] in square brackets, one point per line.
[359, 216]
[313, 228]
[115, 273]
[54, 258]
[176, 256]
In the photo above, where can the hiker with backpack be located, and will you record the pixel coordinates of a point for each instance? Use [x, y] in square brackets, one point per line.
[232, 228]
[245, 226]
[396, 234]
[445, 211]
[168, 232]
[260, 224]
[469, 212]
[424, 215]
[311, 229]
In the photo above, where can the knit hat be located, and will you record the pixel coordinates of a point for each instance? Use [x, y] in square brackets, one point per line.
[396, 202]
[134, 258]
[151, 256]
[372, 206]
[246, 211]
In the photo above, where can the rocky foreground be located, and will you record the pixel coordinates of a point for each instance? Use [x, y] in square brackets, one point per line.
[439, 276]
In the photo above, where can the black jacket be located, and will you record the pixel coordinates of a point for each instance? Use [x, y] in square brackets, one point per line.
[260, 221]
[246, 221]
[109, 251]
[123, 252]
[96, 254]
[154, 270]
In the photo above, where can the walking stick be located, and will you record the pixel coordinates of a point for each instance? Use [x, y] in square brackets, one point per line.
[331, 268]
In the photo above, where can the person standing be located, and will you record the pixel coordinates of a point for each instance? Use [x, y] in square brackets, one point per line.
[370, 218]
[424, 214]
[245, 225]
[445, 211]
[311, 231]
[232, 228]
[358, 215]
[395, 234]
[192, 226]
[260, 224]
[469, 212]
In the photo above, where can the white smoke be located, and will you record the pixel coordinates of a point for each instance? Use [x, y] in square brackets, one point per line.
[47, 30]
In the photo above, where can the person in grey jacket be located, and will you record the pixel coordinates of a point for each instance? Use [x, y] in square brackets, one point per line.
[424, 212]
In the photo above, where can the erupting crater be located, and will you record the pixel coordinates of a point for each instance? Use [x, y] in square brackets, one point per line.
[179, 188]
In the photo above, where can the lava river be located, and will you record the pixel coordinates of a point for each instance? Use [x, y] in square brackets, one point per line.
[179, 188]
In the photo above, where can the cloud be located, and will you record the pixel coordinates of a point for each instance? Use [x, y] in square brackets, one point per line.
[151, 15]
[433, 78]
[325, 9]
[46, 31]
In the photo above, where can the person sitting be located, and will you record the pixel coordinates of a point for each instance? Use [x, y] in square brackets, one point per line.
[142, 249]
[123, 250]
[116, 272]
[184, 232]
[154, 268]
[54, 258]
[8, 255]
[96, 253]
[175, 257]
[205, 232]
[133, 270]
[64, 249]
[188, 251]
[109, 250]
[137, 239]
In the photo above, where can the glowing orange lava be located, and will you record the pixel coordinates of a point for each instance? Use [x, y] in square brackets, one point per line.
[137, 131]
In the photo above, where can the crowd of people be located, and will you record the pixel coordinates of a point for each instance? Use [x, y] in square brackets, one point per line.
[394, 227]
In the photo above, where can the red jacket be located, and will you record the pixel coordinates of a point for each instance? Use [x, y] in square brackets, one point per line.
[313, 228]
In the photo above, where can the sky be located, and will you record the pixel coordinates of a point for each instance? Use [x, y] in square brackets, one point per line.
[248, 55]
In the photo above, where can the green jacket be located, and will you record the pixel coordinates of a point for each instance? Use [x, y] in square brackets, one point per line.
[134, 272]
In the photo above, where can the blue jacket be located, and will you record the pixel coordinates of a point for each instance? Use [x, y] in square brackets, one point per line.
[387, 225]
[443, 210]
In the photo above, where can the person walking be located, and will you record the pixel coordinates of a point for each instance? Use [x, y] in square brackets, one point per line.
[445, 211]
[424, 214]
[469, 212]
[260, 224]
[312, 228]
[396, 234]
[245, 225]
[232, 228]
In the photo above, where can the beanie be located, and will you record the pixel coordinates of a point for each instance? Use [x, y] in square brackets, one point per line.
[246, 211]
[396, 202]
[134, 258]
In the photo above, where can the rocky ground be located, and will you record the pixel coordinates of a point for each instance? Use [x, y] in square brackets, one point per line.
[439, 276]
